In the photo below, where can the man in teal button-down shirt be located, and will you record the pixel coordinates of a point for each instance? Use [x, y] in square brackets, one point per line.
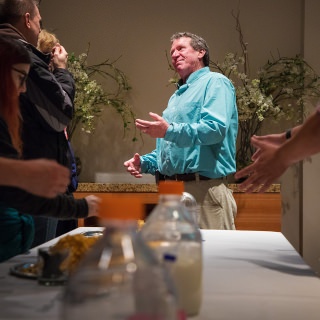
[196, 135]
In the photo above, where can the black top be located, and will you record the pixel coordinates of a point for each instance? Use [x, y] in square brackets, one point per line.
[63, 206]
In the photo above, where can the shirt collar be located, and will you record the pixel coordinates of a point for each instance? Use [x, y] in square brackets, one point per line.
[182, 87]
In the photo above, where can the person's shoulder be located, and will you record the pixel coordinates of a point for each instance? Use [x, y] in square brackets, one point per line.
[218, 75]
[40, 56]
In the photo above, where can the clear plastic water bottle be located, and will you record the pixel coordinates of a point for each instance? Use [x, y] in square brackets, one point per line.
[120, 278]
[171, 232]
[191, 204]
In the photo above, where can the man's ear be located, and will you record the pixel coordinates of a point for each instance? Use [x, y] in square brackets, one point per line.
[27, 20]
[201, 53]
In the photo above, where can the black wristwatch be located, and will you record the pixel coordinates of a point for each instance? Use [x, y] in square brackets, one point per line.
[288, 134]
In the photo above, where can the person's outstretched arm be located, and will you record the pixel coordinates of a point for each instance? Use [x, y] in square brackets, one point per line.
[42, 177]
[273, 158]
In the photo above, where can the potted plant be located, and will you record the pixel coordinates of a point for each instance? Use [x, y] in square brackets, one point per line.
[91, 97]
[278, 92]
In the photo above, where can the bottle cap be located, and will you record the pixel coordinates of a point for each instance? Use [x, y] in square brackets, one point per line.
[121, 207]
[171, 187]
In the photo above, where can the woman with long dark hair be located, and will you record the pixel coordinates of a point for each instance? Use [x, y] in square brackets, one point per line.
[16, 205]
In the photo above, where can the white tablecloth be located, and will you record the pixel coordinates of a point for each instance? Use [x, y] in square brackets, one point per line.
[248, 275]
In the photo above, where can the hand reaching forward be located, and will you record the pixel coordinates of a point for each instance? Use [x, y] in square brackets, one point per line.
[156, 128]
[134, 166]
[269, 164]
[42, 177]
[93, 205]
[274, 139]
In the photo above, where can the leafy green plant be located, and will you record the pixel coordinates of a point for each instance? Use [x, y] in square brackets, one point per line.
[279, 91]
[91, 97]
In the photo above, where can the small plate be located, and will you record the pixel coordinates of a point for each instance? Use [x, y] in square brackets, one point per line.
[93, 233]
[25, 270]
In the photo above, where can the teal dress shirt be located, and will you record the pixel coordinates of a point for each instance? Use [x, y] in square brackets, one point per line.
[202, 134]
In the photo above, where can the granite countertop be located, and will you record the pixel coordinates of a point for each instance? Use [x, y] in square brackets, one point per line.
[140, 187]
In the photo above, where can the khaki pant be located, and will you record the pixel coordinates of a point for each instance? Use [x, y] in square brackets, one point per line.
[217, 208]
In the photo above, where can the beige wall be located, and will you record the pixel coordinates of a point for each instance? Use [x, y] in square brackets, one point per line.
[139, 32]
[311, 168]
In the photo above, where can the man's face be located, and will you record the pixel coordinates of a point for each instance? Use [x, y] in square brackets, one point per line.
[184, 58]
[34, 28]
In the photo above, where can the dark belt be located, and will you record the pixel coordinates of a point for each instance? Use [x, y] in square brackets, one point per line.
[184, 177]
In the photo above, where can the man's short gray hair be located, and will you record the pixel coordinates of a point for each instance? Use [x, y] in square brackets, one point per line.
[12, 10]
[197, 43]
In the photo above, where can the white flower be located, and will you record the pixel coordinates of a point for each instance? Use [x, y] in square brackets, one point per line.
[278, 92]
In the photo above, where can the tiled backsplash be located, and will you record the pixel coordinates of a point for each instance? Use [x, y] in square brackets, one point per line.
[109, 177]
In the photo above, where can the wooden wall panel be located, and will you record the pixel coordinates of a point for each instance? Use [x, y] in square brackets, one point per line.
[258, 211]
[255, 211]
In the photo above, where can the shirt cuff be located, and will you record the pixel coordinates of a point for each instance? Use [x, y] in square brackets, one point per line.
[170, 133]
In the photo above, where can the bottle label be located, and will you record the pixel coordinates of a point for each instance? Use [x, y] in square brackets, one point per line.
[181, 315]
